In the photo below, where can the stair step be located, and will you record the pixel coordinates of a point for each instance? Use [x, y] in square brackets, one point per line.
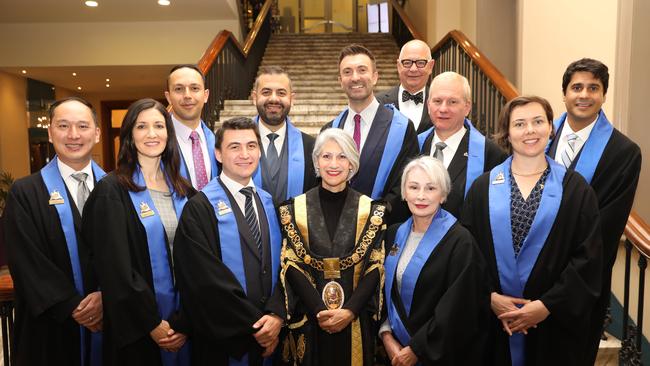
[608, 351]
[296, 109]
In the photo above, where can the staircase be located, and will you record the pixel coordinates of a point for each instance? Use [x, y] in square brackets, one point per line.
[312, 63]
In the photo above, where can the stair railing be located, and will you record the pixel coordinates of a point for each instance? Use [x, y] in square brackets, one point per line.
[230, 68]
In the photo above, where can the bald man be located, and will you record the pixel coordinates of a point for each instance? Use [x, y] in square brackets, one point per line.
[414, 66]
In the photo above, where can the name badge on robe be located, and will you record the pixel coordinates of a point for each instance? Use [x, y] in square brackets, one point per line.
[465, 154]
[145, 210]
[222, 208]
[499, 179]
[55, 198]
[394, 249]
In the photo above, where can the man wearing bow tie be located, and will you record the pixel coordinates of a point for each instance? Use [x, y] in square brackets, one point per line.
[414, 66]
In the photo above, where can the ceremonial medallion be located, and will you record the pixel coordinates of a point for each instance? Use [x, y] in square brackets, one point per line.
[333, 295]
[331, 268]
[55, 198]
[145, 211]
[499, 179]
[222, 208]
[376, 220]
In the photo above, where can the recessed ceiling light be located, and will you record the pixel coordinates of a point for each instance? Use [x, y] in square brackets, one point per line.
[164, 2]
[78, 88]
[108, 85]
[107, 80]
[74, 74]
[24, 71]
[92, 4]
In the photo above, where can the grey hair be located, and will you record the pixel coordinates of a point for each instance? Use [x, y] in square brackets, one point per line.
[346, 144]
[434, 169]
[450, 75]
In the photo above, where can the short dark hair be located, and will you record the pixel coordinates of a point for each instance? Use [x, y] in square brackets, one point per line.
[596, 68]
[127, 159]
[237, 123]
[357, 49]
[73, 99]
[503, 124]
[271, 70]
[186, 66]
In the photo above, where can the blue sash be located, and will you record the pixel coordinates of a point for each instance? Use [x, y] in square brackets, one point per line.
[295, 161]
[393, 145]
[209, 143]
[54, 183]
[514, 271]
[475, 152]
[593, 148]
[438, 228]
[163, 281]
[231, 247]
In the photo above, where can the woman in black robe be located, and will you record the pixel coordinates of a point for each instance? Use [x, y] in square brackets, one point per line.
[332, 263]
[128, 221]
[537, 226]
[437, 304]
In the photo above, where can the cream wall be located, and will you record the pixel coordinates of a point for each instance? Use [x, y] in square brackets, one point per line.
[94, 44]
[14, 145]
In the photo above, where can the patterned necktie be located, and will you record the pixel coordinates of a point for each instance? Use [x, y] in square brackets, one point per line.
[357, 131]
[251, 217]
[272, 155]
[417, 98]
[82, 190]
[438, 153]
[199, 163]
[569, 152]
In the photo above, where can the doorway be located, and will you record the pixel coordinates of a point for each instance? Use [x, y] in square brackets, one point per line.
[328, 16]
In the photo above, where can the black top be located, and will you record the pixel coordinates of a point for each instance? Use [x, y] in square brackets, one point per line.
[332, 205]
[522, 211]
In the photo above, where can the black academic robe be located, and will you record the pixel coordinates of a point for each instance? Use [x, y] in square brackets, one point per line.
[458, 169]
[371, 156]
[450, 310]
[566, 276]
[122, 262]
[220, 313]
[304, 284]
[391, 96]
[45, 294]
[614, 181]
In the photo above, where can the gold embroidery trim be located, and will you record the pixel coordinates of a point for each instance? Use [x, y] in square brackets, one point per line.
[300, 205]
[357, 344]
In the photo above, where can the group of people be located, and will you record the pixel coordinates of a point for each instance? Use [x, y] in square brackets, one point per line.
[400, 227]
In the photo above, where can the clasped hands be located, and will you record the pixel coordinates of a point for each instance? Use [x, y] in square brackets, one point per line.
[334, 321]
[517, 319]
[268, 331]
[398, 355]
[89, 312]
[167, 338]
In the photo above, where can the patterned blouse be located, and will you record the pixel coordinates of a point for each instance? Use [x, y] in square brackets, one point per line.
[522, 211]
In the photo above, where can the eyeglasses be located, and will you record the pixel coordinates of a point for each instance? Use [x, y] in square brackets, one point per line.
[420, 64]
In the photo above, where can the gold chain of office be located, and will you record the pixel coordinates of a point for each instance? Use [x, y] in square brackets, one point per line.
[376, 221]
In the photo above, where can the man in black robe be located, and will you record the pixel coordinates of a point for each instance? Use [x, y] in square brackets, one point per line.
[226, 257]
[48, 264]
[385, 138]
[414, 67]
[608, 160]
[449, 104]
[286, 168]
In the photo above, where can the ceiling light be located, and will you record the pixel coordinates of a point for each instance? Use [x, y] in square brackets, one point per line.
[107, 80]
[74, 74]
[78, 88]
[91, 3]
[164, 2]
[24, 71]
[108, 85]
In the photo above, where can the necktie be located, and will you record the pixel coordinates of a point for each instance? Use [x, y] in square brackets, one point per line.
[357, 131]
[251, 217]
[199, 163]
[272, 155]
[438, 153]
[417, 98]
[82, 190]
[569, 152]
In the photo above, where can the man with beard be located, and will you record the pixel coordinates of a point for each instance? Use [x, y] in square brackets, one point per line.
[385, 138]
[414, 67]
[187, 94]
[285, 148]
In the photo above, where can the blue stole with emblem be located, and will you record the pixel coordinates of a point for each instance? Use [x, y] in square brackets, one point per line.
[295, 161]
[593, 148]
[396, 133]
[163, 280]
[54, 183]
[209, 143]
[229, 240]
[514, 271]
[440, 225]
[475, 152]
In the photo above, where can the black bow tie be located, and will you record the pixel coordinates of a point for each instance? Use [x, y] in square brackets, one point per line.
[416, 98]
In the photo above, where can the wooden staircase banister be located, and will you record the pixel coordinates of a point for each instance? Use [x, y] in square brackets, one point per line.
[501, 82]
[637, 232]
[407, 21]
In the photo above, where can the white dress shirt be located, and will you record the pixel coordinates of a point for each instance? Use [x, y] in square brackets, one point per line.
[562, 144]
[367, 116]
[452, 145]
[73, 184]
[410, 109]
[234, 189]
[183, 137]
[279, 141]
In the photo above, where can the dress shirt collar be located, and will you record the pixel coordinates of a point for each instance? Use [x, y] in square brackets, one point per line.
[368, 114]
[452, 141]
[583, 134]
[66, 171]
[401, 90]
[233, 186]
[264, 131]
[183, 132]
